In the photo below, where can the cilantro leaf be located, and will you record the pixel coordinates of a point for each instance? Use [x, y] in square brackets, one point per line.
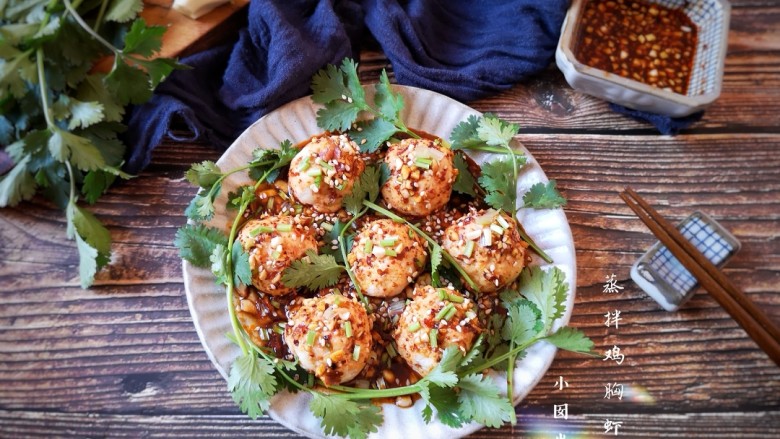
[219, 260]
[313, 271]
[443, 375]
[251, 384]
[130, 84]
[497, 181]
[93, 89]
[523, 321]
[344, 417]
[572, 339]
[143, 40]
[447, 408]
[333, 236]
[464, 135]
[201, 207]
[204, 174]
[266, 163]
[547, 290]
[242, 272]
[366, 185]
[159, 68]
[328, 85]
[544, 196]
[436, 258]
[496, 132]
[480, 400]
[87, 262]
[389, 104]
[337, 116]
[84, 114]
[123, 11]
[465, 181]
[196, 243]
[17, 185]
[96, 183]
[92, 240]
[64, 145]
[371, 134]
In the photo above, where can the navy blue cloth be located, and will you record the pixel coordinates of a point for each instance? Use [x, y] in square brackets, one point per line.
[466, 49]
[664, 124]
[229, 87]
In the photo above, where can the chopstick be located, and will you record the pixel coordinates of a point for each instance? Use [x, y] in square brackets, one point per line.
[757, 325]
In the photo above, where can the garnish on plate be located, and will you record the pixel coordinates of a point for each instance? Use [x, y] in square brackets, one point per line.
[433, 287]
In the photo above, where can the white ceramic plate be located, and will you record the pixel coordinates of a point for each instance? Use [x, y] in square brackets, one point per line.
[296, 121]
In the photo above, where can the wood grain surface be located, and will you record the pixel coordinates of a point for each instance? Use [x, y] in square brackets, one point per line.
[122, 359]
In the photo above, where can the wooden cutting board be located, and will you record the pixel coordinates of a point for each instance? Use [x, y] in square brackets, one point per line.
[185, 35]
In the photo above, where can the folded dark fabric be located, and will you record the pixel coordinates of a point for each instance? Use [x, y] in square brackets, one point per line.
[228, 88]
[466, 49]
[664, 124]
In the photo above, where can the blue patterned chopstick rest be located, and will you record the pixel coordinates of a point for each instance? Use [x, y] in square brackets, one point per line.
[664, 278]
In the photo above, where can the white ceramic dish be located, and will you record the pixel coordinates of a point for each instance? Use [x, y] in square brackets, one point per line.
[296, 121]
[712, 20]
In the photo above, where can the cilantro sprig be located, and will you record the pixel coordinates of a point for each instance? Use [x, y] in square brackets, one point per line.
[344, 100]
[59, 119]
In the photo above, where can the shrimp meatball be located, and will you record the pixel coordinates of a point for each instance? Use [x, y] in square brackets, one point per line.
[488, 247]
[436, 319]
[421, 176]
[273, 243]
[330, 336]
[386, 257]
[324, 171]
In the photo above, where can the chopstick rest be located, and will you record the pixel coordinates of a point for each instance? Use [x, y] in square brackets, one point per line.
[661, 275]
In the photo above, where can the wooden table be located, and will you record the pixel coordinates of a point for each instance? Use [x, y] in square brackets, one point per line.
[123, 358]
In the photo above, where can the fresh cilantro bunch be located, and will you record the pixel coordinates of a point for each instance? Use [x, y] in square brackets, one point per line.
[59, 117]
[344, 101]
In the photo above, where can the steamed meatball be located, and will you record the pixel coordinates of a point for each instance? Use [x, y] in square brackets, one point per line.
[436, 319]
[488, 247]
[330, 336]
[421, 176]
[324, 171]
[386, 257]
[273, 243]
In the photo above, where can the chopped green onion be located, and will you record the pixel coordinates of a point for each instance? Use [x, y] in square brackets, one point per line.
[310, 336]
[442, 293]
[348, 328]
[270, 204]
[317, 181]
[275, 304]
[275, 255]
[326, 165]
[390, 252]
[423, 162]
[496, 228]
[260, 229]
[502, 221]
[314, 172]
[310, 380]
[414, 326]
[368, 247]
[411, 233]
[454, 298]
[278, 329]
[433, 337]
[388, 242]
[391, 350]
[298, 208]
[451, 312]
[356, 352]
[469, 250]
[327, 226]
[284, 227]
[443, 312]
[337, 299]
[304, 164]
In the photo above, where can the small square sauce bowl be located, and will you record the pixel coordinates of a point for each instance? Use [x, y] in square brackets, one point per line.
[621, 64]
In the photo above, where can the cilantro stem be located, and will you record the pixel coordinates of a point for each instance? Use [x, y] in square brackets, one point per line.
[532, 244]
[510, 372]
[43, 89]
[353, 393]
[343, 249]
[430, 240]
[89, 30]
[230, 285]
[101, 13]
[503, 357]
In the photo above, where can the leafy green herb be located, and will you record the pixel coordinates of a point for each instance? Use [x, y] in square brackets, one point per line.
[197, 242]
[343, 417]
[479, 400]
[242, 273]
[499, 184]
[366, 186]
[546, 289]
[523, 321]
[487, 133]
[573, 340]
[252, 383]
[544, 196]
[60, 121]
[267, 163]
[465, 181]
[313, 271]
[344, 99]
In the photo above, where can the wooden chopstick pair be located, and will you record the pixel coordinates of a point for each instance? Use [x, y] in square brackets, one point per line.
[757, 325]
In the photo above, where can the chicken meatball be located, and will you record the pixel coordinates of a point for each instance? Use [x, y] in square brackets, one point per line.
[273, 243]
[436, 319]
[488, 247]
[330, 336]
[324, 171]
[386, 257]
[421, 176]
